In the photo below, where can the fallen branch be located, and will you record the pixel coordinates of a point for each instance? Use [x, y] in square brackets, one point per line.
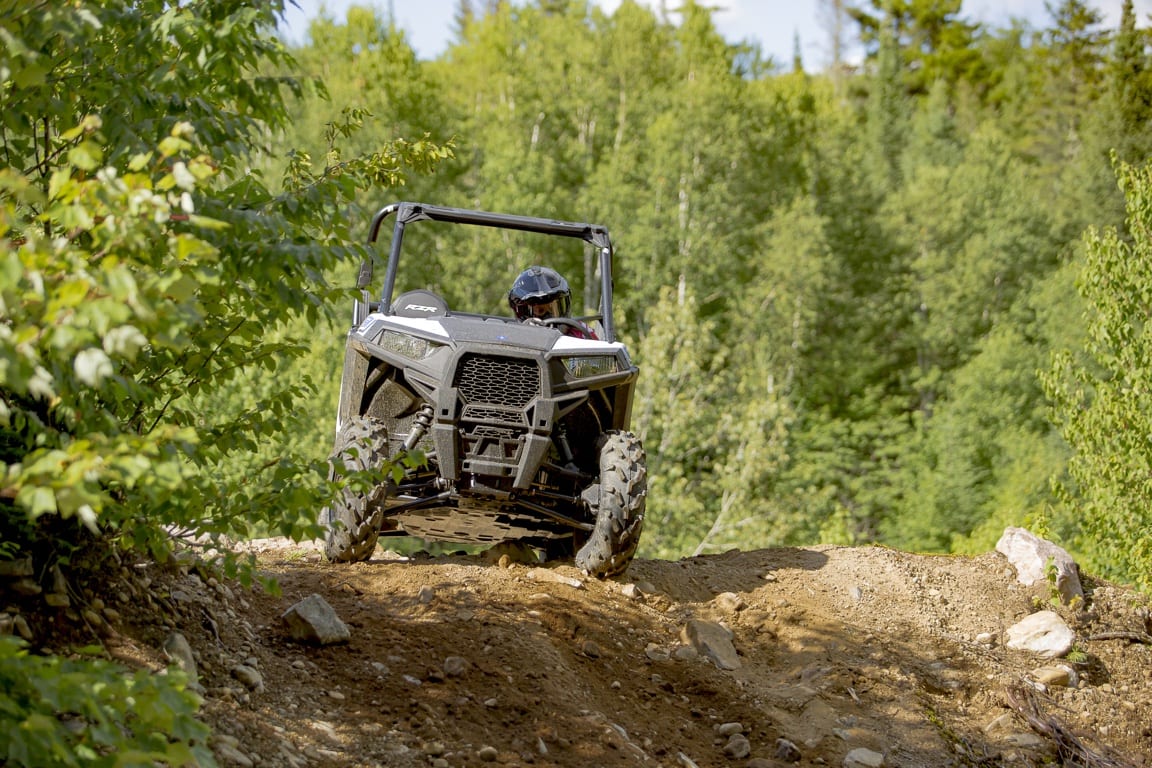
[1133, 637]
[1070, 750]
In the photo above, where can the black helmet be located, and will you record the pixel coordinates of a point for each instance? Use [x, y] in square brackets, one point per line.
[540, 292]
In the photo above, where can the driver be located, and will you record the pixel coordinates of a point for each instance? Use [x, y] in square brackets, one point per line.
[540, 293]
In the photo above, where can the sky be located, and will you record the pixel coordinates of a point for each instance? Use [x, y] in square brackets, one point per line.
[772, 23]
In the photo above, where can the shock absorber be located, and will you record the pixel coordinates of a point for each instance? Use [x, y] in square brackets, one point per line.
[420, 427]
[560, 440]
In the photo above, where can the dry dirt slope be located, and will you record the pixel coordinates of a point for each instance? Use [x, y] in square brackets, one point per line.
[457, 660]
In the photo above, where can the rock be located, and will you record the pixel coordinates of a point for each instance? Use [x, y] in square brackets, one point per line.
[507, 553]
[249, 677]
[712, 641]
[738, 747]
[632, 592]
[26, 587]
[729, 729]
[20, 624]
[455, 666]
[985, 638]
[178, 650]
[1055, 676]
[730, 601]
[18, 568]
[787, 751]
[487, 754]
[1030, 555]
[426, 594]
[312, 620]
[655, 652]
[1043, 633]
[544, 574]
[863, 758]
[230, 755]
[591, 649]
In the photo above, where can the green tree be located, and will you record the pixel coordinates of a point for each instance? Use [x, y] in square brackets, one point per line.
[1102, 406]
[147, 264]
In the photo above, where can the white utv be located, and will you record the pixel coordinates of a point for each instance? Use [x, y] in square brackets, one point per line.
[520, 427]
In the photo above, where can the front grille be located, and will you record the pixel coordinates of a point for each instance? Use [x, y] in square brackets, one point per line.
[489, 413]
[500, 381]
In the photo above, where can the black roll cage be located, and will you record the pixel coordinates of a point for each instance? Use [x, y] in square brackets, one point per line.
[407, 213]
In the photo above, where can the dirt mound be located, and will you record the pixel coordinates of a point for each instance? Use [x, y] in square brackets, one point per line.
[841, 656]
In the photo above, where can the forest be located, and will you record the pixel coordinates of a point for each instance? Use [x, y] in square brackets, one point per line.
[896, 302]
[901, 301]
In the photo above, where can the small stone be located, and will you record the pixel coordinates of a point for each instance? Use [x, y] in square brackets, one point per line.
[487, 754]
[57, 600]
[738, 747]
[631, 591]
[455, 666]
[591, 649]
[786, 751]
[1043, 633]
[544, 574]
[178, 650]
[26, 587]
[985, 638]
[20, 624]
[492, 702]
[17, 568]
[685, 653]
[1054, 676]
[863, 758]
[250, 678]
[337, 695]
[713, 641]
[230, 754]
[656, 653]
[730, 601]
[426, 594]
[728, 729]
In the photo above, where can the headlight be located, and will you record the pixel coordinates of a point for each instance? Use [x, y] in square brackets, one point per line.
[591, 365]
[412, 347]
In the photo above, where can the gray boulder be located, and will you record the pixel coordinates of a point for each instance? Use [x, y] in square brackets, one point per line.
[312, 620]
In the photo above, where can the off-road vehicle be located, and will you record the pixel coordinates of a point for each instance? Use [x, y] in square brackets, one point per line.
[513, 430]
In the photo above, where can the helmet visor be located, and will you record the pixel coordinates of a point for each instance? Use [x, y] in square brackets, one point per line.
[543, 308]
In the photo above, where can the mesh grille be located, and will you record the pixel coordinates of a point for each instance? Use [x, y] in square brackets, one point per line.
[500, 381]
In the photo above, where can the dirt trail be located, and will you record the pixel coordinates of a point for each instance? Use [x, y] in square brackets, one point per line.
[844, 655]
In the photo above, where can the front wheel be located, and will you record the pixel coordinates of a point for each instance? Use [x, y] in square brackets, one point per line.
[354, 519]
[620, 510]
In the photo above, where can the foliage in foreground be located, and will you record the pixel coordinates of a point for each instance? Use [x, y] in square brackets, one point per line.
[63, 713]
[1104, 404]
[147, 269]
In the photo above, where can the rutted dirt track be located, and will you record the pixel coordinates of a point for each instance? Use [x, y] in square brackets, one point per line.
[459, 660]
